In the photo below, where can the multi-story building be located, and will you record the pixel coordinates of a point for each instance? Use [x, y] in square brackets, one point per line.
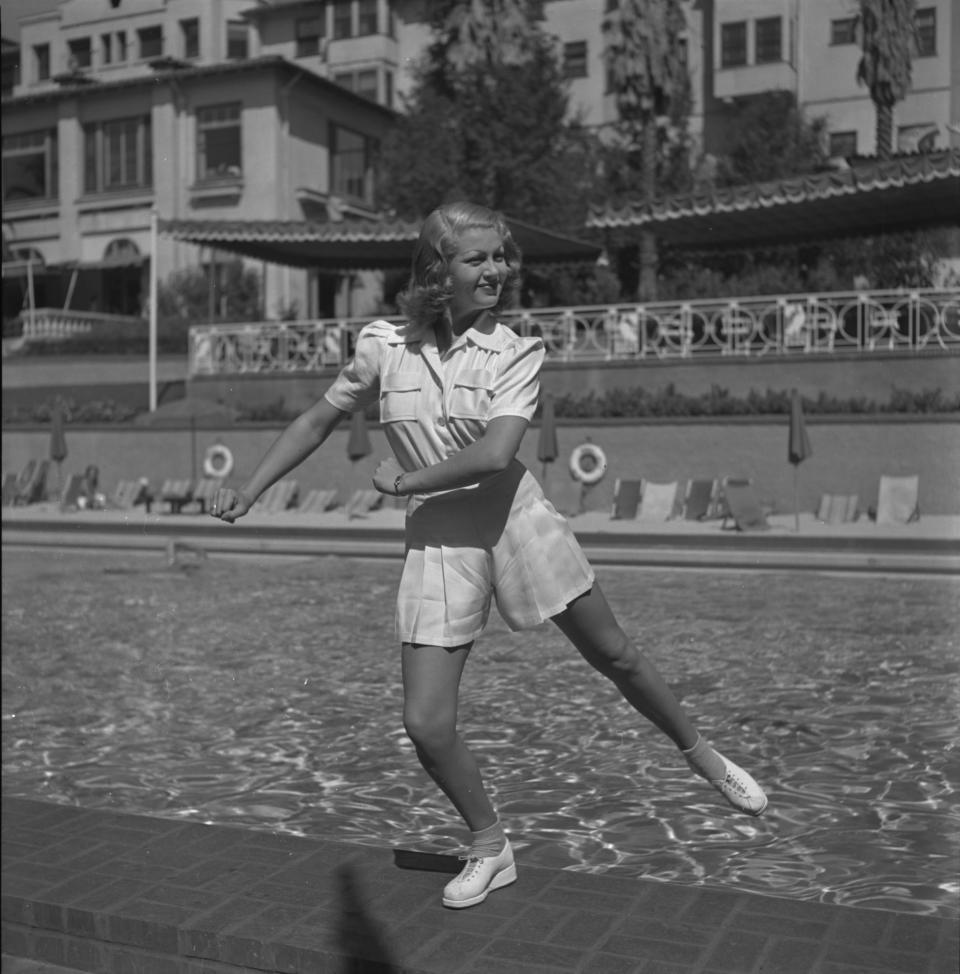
[237, 109]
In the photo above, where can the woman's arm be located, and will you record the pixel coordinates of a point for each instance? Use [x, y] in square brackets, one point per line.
[492, 453]
[291, 448]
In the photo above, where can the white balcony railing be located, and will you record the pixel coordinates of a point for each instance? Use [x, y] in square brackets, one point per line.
[790, 324]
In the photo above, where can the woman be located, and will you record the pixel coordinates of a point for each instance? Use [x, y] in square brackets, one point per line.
[457, 391]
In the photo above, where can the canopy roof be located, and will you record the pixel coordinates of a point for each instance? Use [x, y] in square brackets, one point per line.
[353, 244]
[875, 197]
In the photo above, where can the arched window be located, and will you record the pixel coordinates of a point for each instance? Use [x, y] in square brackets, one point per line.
[121, 252]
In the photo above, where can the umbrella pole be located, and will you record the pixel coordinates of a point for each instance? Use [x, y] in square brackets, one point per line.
[796, 497]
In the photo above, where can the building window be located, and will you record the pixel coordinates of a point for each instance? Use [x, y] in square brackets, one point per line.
[238, 44]
[367, 20]
[41, 62]
[843, 145]
[733, 45]
[342, 20]
[118, 155]
[352, 165]
[366, 84]
[575, 59]
[150, 42]
[310, 32]
[388, 88]
[190, 37]
[843, 31]
[80, 54]
[218, 142]
[106, 49]
[925, 28]
[121, 46]
[769, 38]
[30, 166]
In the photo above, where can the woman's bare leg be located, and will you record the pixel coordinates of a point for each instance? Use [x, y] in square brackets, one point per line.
[590, 625]
[431, 686]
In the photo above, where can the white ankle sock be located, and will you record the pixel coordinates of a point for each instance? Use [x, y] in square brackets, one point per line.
[706, 761]
[488, 842]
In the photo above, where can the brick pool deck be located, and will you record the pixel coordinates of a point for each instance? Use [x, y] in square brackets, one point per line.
[113, 893]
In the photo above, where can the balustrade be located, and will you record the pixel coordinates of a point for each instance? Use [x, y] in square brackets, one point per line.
[804, 324]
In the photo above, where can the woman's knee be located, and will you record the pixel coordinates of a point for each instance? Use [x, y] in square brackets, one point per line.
[429, 729]
[614, 654]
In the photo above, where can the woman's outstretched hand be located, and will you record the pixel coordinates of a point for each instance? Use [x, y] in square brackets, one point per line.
[229, 504]
[385, 476]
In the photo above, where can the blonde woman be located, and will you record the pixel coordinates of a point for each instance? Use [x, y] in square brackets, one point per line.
[457, 390]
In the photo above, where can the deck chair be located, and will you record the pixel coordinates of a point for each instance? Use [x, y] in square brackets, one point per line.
[318, 501]
[626, 499]
[658, 501]
[176, 493]
[897, 500]
[9, 489]
[838, 508]
[206, 491]
[33, 490]
[743, 508]
[700, 501]
[75, 488]
[278, 497]
[129, 493]
[363, 502]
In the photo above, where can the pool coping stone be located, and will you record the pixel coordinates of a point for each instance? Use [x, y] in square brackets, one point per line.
[111, 892]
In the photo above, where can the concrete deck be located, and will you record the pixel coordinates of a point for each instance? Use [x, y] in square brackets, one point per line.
[113, 893]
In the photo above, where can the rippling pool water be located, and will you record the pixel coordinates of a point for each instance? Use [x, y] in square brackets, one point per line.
[268, 695]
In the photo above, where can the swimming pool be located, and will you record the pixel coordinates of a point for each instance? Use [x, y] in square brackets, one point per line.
[268, 695]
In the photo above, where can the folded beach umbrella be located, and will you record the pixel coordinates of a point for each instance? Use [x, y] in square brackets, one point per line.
[547, 449]
[58, 440]
[798, 448]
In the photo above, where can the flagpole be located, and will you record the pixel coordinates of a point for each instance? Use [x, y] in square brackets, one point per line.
[153, 311]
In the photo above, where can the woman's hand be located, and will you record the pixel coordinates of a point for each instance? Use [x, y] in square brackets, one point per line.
[229, 504]
[385, 476]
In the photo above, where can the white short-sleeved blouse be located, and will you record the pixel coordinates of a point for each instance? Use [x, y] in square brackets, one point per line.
[433, 404]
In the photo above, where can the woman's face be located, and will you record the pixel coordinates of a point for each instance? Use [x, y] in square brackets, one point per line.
[478, 270]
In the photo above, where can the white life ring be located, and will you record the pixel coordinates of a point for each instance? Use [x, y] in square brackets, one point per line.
[588, 463]
[217, 461]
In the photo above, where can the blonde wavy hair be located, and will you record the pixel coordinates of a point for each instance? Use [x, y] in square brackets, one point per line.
[425, 300]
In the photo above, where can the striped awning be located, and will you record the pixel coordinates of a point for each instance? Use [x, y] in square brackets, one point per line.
[875, 197]
[353, 244]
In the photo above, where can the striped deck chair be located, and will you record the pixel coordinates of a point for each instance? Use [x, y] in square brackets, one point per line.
[277, 498]
[838, 508]
[129, 493]
[897, 501]
[700, 501]
[9, 489]
[205, 491]
[363, 502]
[318, 501]
[74, 489]
[626, 499]
[176, 493]
[658, 501]
[32, 490]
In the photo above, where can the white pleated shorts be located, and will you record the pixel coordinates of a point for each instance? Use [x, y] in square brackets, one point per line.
[501, 540]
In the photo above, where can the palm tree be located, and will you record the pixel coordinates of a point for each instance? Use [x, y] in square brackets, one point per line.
[887, 38]
[648, 76]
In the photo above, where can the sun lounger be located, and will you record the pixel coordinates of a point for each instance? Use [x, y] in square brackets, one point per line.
[743, 508]
[700, 502]
[9, 489]
[205, 492]
[33, 489]
[658, 501]
[129, 493]
[363, 502]
[838, 508]
[176, 493]
[626, 499]
[897, 501]
[277, 498]
[318, 501]
[75, 488]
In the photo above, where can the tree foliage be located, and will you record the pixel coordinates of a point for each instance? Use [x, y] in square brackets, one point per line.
[887, 36]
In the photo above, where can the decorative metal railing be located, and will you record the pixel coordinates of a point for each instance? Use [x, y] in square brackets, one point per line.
[785, 324]
[53, 324]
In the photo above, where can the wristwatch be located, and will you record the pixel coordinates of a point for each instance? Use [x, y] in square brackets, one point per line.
[396, 484]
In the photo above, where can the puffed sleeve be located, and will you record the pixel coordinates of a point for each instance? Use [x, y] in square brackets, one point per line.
[358, 383]
[516, 388]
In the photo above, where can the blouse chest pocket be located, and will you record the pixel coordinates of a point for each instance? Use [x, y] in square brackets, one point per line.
[472, 394]
[399, 393]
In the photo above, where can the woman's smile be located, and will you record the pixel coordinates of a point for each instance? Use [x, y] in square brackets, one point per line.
[477, 273]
